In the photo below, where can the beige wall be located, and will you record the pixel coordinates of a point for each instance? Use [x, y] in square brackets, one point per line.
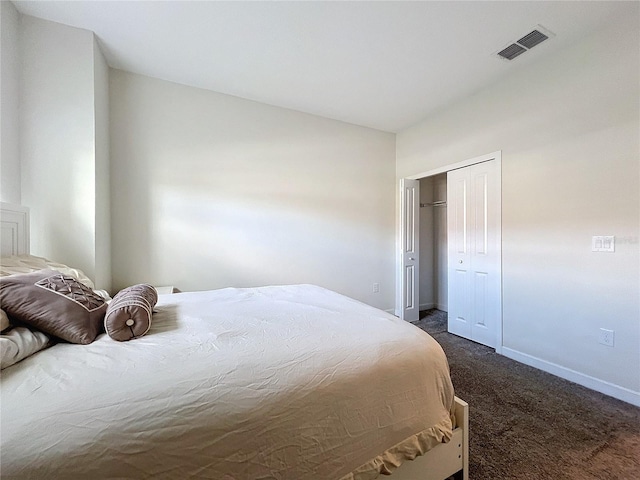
[9, 113]
[102, 170]
[568, 127]
[63, 117]
[211, 191]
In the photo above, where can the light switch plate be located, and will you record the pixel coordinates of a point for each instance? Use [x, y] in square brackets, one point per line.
[606, 243]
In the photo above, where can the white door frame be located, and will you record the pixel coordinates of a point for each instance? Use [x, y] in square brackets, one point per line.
[497, 156]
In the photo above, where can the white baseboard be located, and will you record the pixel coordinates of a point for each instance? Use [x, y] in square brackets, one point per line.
[593, 383]
[442, 308]
[427, 306]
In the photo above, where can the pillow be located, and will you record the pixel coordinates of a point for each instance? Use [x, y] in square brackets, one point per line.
[4, 321]
[55, 304]
[129, 313]
[18, 264]
[18, 343]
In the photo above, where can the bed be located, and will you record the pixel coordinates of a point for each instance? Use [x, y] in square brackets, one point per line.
[278, 382]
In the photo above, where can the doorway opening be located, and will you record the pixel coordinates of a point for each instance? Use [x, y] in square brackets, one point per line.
[433, 244]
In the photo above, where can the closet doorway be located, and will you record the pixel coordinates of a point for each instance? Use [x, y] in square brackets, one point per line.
[433, 288]
[450, 258]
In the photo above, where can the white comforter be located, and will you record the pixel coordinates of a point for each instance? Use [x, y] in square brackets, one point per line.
[293, 382]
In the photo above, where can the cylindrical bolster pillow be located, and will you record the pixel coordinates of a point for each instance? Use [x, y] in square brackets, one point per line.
[129, 313]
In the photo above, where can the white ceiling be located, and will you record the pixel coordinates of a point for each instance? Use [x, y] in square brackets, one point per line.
[385, 65]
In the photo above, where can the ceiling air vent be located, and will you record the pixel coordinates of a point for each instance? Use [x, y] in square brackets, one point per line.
[530, 40]
[512, 51]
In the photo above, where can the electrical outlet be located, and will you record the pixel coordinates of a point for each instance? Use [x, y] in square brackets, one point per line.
[376, 288]
[606, 337]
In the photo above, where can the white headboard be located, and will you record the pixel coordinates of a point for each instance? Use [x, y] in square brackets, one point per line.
[14, 220]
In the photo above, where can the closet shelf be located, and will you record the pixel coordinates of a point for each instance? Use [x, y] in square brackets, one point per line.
[439, 203]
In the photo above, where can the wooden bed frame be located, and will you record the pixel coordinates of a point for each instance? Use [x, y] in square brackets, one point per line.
[439, 463]
[446, 459]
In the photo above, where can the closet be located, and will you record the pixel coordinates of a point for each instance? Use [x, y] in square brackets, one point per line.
[433, 242]
[451, 243]
[460, 268]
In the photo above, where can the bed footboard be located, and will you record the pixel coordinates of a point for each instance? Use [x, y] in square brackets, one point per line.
[446, 459]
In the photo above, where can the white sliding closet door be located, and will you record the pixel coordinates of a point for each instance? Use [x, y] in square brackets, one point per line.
[474, 258]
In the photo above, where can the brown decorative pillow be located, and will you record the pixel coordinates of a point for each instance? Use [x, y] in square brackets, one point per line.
[129, 313]
[55, 304]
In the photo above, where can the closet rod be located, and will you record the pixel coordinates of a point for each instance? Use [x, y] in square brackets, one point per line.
[440, 203]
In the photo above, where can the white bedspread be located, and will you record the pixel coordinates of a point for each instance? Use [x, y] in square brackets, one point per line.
[293, 382]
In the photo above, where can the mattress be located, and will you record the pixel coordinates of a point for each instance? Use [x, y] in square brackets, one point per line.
[288, 382]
